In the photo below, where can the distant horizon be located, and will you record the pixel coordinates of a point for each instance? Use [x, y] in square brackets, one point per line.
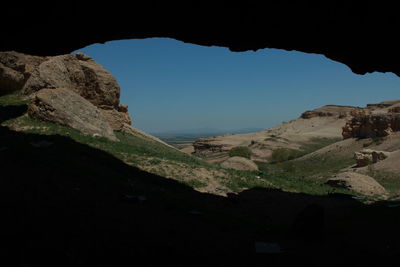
[208, 131]
[171, 85]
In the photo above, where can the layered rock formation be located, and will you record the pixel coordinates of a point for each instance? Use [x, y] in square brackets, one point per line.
[373, 125]
[79, 73]
[375, 120]
[332, 111]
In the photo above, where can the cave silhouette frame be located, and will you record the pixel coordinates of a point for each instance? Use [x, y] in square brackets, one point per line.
[41, 227]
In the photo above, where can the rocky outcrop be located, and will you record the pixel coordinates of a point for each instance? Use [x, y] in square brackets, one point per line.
[363, 159]
[332, 111]
[208, 145]
[311, 114]
[359, 35]
[239, 163]
[64, 107]
[373, 125]
[359, 183]
[369, 156]
[15, 69]
[79, 73]
[394, 109]
[117, 117]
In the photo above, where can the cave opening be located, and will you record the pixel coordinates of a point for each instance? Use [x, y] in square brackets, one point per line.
[279, 106]
[101, 198]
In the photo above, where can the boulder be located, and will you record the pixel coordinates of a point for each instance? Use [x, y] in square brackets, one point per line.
[369, 156]
[362, 159]
[64, 107]
[78, 73]
[239, 163]
[357, 182]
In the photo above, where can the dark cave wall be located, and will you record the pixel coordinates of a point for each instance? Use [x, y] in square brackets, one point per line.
[359, 34]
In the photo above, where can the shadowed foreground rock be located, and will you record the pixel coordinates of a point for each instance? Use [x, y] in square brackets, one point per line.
[65, 107]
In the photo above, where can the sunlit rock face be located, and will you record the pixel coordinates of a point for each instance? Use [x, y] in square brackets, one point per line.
[64, 107]
[360, 35]
[78, 73]
[332, 111]
[374, 125]
[85, 77]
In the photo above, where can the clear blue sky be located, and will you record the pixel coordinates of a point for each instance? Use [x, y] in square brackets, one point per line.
[170, 85]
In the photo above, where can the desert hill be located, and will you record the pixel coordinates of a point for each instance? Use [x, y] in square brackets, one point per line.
[322, 126]
[325, 122]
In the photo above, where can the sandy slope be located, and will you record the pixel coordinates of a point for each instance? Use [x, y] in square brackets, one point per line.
[323, 122]
[293, 134]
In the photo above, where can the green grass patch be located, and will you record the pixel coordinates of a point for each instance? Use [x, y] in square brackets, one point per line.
[315, 167]
[13, 99]
[240, 151]
[195, 183]
[294, 183]
[290, 182]
[318, 143]
[127, 145]
[296, 176]
[307, 176]
[285, 154]
[239, 180]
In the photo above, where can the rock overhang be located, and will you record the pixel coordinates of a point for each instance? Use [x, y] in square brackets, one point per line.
[360, 35]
